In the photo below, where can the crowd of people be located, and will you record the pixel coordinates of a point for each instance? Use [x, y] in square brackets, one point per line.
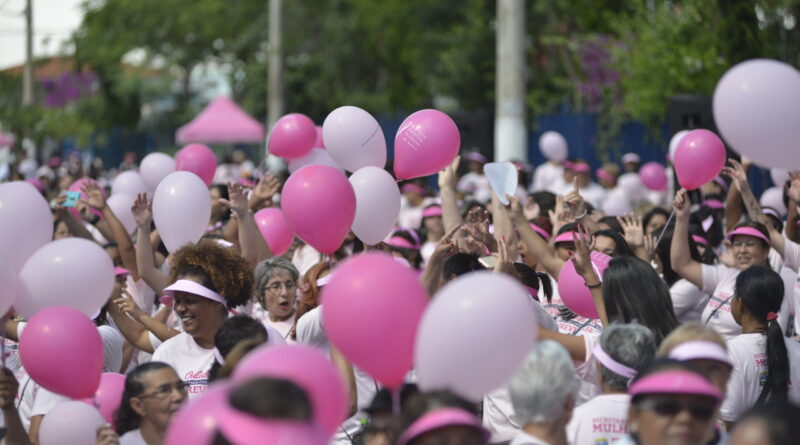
[694, 341]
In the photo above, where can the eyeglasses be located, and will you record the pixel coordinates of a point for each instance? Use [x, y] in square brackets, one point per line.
[673, 407]
[276, 287]
[164, 391]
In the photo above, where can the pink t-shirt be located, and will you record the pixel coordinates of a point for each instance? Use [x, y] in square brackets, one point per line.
[748, 352]
[602, 420]
[190, 361]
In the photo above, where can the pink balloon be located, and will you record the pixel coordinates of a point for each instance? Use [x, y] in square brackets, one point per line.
[576, 296]
[275, 230]
[198, 159]
[293, 136]
[197, 420]
[70, 423]
[426, 142]
[319, 204]
[26, 223]
[37, 183]
[319, 143]
[308, 368]
[8, 276]
[49, 354]
[653, 176]
[76, 187]
[372, 307]
[699, 158]
[108, 396]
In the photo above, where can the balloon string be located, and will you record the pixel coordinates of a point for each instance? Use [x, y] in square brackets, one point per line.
[671, 215]
[3, 335]
[396, 400]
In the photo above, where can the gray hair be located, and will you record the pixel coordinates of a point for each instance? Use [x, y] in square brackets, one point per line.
[541, 387]
[267, 269]
[632, 345]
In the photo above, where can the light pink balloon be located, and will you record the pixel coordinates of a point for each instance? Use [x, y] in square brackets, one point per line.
[196, 421]
[319, 204]
[108, 396]
[653, 176]
[293, 136]
[70, 423]
[76, 187]
[181, 209]
[699, 158]
[372, 307]
[354, 138]
[308, 368]
[198, 159]
[128, 183]
[275, 230]
[317, 156]
[377, 204]
[47, 349]
[474, 335]
[26, 223]
[773, 197]
[319, 143]
[70, 272]
[120, 204]
[756, 104]
[574, 293]
[779, 176]
[426, 143]
[154, 168]
[673, 144]
[8, 291]
[553, 146]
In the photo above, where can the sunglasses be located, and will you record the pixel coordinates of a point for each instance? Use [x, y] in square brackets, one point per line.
[673, 407]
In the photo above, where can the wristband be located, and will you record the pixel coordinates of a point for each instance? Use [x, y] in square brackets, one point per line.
[592, 286]
[582, 214]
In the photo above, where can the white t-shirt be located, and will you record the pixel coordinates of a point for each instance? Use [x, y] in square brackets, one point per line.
[190, 361]
[427, 250]
[687, 300]
[411, 217]
[748, 352]
[594, 194]
[133, 437]
[546, 176]
[113, 342]
[282, 327]
[523, 438]
[719, 282]
[602, 420]
[305, 257]
[477, 185]
[587, 371]
[310, 330]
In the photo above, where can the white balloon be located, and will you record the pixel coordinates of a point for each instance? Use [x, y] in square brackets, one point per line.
[673, 143]
[71, 423]
[317, 156]
[154, 168]
[377, 204]
[779, 176]
[756, 107]
[128, 183]
[26, 223]
[181, 209]
[354, 138]
[553, 146]
[121, 204]
[773, 197]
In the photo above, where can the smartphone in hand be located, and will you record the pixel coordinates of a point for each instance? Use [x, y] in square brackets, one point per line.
[72, 199]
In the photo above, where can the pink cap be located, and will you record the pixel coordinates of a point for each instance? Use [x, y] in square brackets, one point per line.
[413, 188]
[569, 164]
[432, 211]
[581, 167]
[121, 271]
[675, 382]
[747, 231]
[700, 240]
[715, 204]
[441, 418]
[399, 241]
[190, 287]
[545, 234]
[695, 350]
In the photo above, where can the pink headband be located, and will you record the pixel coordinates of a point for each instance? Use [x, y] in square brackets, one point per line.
[748, 231]
[700, 240]
[675, 382]
[324, 280]
[581, 167]
[541, 231]
[532, 292]
[441, 418]
[611, 364]
[190, 287]
[715, 204]
[693, 350]
[399, 241]
[605, 175]
[721, 182]
[413, 188]
[432, 211]
[121, 271]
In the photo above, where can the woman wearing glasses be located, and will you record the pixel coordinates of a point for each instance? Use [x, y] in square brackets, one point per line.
[276, 293]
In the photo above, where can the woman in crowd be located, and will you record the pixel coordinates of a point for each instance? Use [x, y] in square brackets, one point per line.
[276, 281]
[234, 331]
[688, 300]
[432, 230]
[772, 424]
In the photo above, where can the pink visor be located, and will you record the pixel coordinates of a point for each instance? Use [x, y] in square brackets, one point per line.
[399, 241]
[715, 204]
[121, 271]
[695, 350]
[413, 188]
[545, 234]
[441, 418]
[675, 382]
[700, 240]
[567, 237]
[569, 164]
[747, 231]
[432, 211]
[581, 167]
[477, 157]
[604, 175]
[246, 429]
[190, 287]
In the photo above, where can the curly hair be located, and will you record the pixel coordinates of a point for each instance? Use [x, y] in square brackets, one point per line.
[222, 269]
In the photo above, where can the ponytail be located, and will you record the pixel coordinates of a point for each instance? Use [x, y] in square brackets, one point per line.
[776, 387]
[546, 286]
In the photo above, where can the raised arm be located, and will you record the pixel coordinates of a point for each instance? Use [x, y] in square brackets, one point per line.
[75, 225]
[448, 178]
[577, 209]
[733, 202]
[583, 265]
[119, 234]
[537, 246]
[254, 247]
[792, 231]
[739, 175]
[432, 275]
[680, 257]
[145, 263]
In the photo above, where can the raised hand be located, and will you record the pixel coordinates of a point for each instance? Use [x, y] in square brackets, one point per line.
[142, 212]
[237, 199]
[504, 264]
[582, 258]
[737, 173]
[793, 189]
[448, 178]
[650, 246]
[514, 209]
[268, 185]
[681, 204]
[94, 196]
[562, 214]
[633, 230]
[446, 245]
[128, 306]
[574, 201]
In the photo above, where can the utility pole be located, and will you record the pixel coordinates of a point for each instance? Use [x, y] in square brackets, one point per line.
[27, 76]
[510, 129]
[275, 60]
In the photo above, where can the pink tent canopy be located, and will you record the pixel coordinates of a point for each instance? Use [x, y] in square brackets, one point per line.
[221, 122]
[6, 140]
